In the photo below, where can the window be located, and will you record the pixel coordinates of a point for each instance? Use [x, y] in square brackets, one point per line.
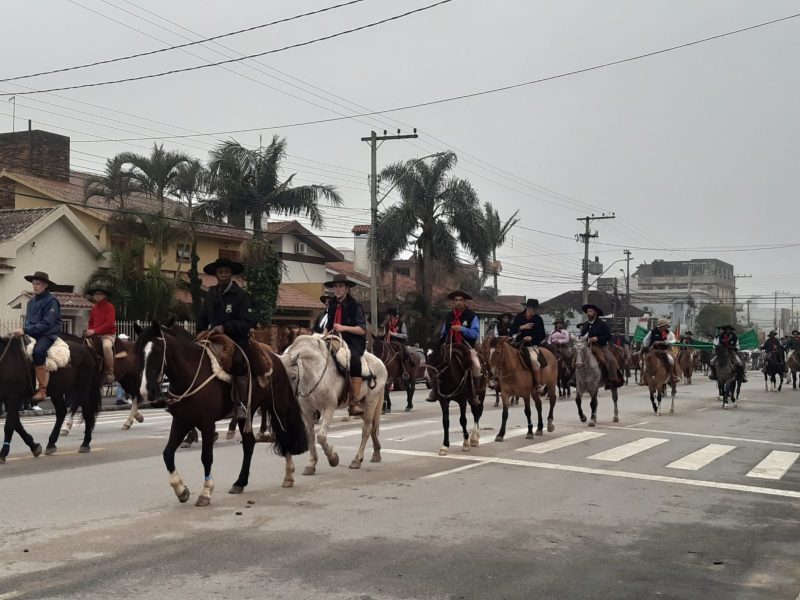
[183, 253]
[405, 271]
[229, 254]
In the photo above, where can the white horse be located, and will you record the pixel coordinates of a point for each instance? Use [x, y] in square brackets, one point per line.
[588, 378]
[320, 387]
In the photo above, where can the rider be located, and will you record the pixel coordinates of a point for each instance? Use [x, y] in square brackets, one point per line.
[773, 344]
[462, 327]
[227, 310]
[43, 323]
[559, 336]
[660, 333]
[103, 323]
[727, 339]
[528, 330]
[503, 327]
[794, 341]
[395, 332]
[687, 338]
[322, 318]
[596, 332]
[346, 317]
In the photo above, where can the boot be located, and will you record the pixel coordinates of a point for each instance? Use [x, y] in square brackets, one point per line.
[355, 392]
[241, 383]
[42, 377]
[542, 359]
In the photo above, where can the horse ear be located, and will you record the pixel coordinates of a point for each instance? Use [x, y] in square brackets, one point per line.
[137, 328]
[170, 322]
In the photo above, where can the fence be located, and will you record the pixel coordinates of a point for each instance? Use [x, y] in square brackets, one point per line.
[128, 327]
[9, 325]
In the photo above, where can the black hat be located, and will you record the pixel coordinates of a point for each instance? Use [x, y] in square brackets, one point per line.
[795, 332]
[236, 268]
[340, 279]
[688, 333]
[531, 303]
[559, 320]
[597, 309]
[772, 333]
[41, 276]
[324, 298]
[731, 327]
[507, 314]
[455, 293]
[391, 311]
[98, 288]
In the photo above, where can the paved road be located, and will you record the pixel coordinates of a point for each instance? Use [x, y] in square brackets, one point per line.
[702, 504]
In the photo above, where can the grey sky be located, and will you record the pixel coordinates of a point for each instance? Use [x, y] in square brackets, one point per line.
[697, 147]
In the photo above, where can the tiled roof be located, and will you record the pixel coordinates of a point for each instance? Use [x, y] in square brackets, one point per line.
[304, 235]
[71, 192]
[293, 299]
[66, 299]
[360, 229]
[14, 222]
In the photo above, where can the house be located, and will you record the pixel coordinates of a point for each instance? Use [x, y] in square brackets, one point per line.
[53, 240]
[568, 306]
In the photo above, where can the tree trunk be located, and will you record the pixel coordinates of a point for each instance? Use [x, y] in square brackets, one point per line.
[236, 217]
[494, 269]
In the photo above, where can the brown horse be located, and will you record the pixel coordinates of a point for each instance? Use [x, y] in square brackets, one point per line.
[199, 398]
[566, 372]
[507, 367]
[659, 373]
[635, 362]
[401, 367]
[793, 363]
[622, 356]
[686, 363]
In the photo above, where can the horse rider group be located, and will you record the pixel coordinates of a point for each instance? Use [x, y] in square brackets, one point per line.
[773, 344]
[726, 338]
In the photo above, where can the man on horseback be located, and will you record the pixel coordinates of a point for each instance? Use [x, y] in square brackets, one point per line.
[462, 327]
[773, 344]
[687, 338]
[322, 318]
[597, 333]
[660, 334]
[42, 323]
[346, 317]
[395, 333]
[726, 338]
[227, 310]
[503, 326]
[794, 341]
[103, 323]
[528, 330]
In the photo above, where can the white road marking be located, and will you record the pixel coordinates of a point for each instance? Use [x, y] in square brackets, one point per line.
[703, 435]
[637, 424]
[700, 458]
[388, 428]
[456, 470]
[627, 450]
[702, 409]
[509, 434]
[59, 453]
[562, 442]
[735, 487]
[775, 465]
[9, 595]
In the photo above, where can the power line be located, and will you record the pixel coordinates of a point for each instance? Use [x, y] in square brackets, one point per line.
[178, 46]
[235, 60]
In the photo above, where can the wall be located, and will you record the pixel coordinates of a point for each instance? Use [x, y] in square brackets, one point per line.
[29, 198]
[361, 253]
[37, 152]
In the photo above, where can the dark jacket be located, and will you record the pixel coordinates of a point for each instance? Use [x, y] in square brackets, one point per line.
[598, 329]
[230, 308]
[43, 316]
[537, 334]
[318, 328]
[772, 344]
[470, 324]
[352, 316]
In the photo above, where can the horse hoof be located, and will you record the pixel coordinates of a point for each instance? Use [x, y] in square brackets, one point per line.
[593, 423]
[65, 431]
[2, 460]
[376, 458]
[615, 419]
[356, 464]
[202, 501]
[496, 404]
[658, 413]
[498, 438]
[442, 451]
[539, 432]
[36, 450]
[50, 450]
[236, 489]
[388, 411]
[287, 483]
[125, 427]
[184, 496]
[672, 411]
[583, 418]
[139, 417]
[230, 434]
[408, 408]
[84, 449]
[474, 443]
[333, 460]
[465, 447]
[529, 435]
[551, 427]
[309, 471]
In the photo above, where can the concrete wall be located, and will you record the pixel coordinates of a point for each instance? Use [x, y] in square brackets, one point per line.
[29, 198]
[361, 253]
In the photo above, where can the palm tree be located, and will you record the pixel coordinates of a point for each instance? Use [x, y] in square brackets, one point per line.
[248, 182]
[114, 185]
[437, 214]
[192, 182]
[497, 231]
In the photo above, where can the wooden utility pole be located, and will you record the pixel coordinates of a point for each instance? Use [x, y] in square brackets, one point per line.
[586, 237]
[627, 254]
[735, 277]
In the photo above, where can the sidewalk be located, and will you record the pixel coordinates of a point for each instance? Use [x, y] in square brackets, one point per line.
[107, 403]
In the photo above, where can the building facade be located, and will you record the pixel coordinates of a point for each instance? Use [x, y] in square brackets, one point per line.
[710, 275]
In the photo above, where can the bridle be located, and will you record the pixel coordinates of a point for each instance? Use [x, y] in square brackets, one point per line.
[191, 390]
[328, 359]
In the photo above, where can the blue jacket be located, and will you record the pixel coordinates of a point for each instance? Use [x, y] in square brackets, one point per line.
[43, 318]
[470, 327]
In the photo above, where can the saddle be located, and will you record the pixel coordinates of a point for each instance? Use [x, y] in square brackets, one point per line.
[222, 352]
[341, 358]
[58, 355]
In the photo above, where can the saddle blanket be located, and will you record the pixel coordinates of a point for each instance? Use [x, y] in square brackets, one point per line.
[57, 355]
[342, 354]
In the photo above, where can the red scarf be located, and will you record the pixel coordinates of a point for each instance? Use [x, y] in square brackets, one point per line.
[392, 327]
[457, 337]
[337, 317]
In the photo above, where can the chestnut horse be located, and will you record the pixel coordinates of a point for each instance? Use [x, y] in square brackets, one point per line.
[200, 399]
[686, 361]
[658, 373]
[509, 369]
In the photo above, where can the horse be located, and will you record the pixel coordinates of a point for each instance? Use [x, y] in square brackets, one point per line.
[564, 356]
[635, 364]
[80, 380]
[202, 398]
[705, 360]
[450, 369]
[772, 367]
[401, 370]
[621, 354]
[793, 363]
[686, 361]
[658, 374]
[319, 386]
[588, 379]
[728, 381]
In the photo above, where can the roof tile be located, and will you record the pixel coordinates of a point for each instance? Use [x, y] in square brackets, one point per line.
[14, 222]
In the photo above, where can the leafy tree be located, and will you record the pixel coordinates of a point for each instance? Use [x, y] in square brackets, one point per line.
[713, 315]
[497, 231]
[114, 185]
[192, 183]
[248, 182]
[263, 272]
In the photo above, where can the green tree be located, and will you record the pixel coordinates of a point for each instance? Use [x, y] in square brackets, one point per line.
[497, 231]
[249, 183]
[191, 185]
[114, 185]
[437, 213]
[712, 316]
[263, 273]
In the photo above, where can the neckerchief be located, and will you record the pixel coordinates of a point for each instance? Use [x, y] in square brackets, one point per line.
[457, 337]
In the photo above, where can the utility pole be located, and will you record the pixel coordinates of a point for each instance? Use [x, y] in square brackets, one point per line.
[586, 237]
[748, 312]
[627, 254]
[735, 277]
[775, 324]
[373, 140]
[13, 101]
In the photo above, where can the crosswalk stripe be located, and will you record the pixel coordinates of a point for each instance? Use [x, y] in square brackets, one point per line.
[775, 465]
[700, 458]
[387, 428]
[627, 450]
[562, 442]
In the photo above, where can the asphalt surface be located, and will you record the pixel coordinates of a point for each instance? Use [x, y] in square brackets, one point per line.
[700, 504]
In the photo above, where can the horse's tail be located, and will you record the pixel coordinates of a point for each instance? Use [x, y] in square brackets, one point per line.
[285, 417]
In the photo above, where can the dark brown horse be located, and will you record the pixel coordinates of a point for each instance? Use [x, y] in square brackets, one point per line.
[449, 367]
[402, 370]
[80, 381]
[566, 373]
[686, 361]
[199, 398]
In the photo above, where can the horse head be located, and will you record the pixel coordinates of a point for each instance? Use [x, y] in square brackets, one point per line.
[581, 355]
[151, 359]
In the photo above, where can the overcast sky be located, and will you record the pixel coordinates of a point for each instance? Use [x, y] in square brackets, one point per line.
[692, 148]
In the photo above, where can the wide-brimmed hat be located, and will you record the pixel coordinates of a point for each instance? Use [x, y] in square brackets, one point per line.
[795, 332]
[507, 314]
[98, 288]
[455, 293]
[41, 276]
[772, 333]
[662, 322]
[597, 309]
[531, 303]
[324, 298]
[340, 279]
[236, 268]
[391, 311]
[731, 327]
